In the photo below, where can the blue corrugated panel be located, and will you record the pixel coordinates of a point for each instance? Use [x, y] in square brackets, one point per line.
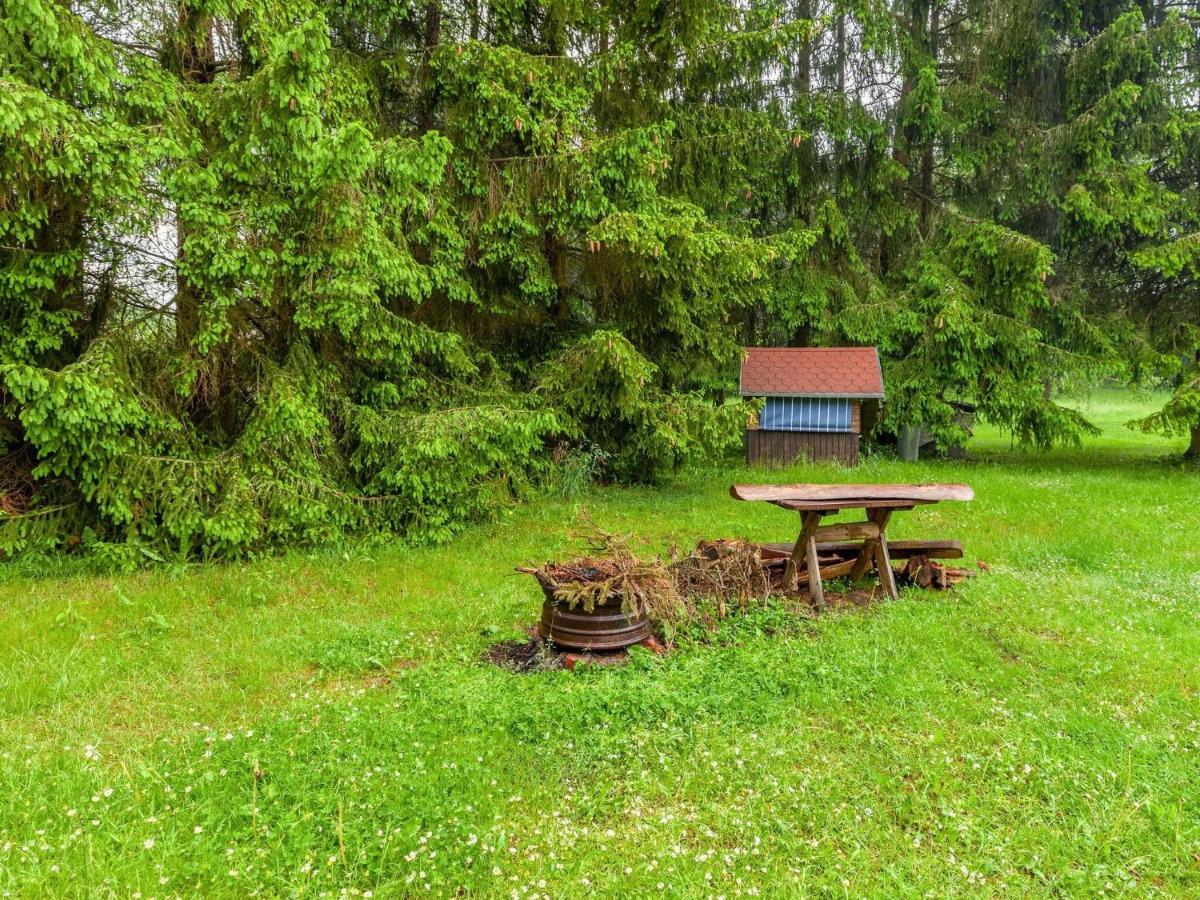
[806, 414]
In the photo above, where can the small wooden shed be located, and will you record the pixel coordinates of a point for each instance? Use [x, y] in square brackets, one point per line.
[814, 399]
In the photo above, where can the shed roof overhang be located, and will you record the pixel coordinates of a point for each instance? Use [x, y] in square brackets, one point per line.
[819, 372]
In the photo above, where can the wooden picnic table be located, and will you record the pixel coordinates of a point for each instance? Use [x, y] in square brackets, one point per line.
[814, 501]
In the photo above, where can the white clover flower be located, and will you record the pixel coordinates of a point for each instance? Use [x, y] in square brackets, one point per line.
[148, 843]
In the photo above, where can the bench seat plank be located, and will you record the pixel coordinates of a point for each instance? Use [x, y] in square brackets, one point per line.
[896, 549]
[835, 505]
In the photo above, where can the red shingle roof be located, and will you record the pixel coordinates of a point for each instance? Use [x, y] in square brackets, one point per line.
[811, 372]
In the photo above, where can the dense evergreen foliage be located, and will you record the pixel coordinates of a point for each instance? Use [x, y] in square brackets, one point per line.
[278, 271]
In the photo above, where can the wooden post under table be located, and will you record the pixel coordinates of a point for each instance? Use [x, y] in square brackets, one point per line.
[883, 557]
[875, 550]
[816, 589]
[806, 551]
[866, 556]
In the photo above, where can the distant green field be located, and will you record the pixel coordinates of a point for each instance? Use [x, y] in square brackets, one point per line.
[322, 722]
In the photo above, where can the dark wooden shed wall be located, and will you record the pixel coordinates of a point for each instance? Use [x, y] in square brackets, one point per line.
[783, 447]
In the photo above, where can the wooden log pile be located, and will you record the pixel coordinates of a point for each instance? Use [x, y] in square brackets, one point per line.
[921, 567]
[731, 570]
[923, 572]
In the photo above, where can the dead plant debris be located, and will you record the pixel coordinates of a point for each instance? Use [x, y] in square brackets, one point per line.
[724, 571]
[717, 573]
[532, 654]
[612, 569]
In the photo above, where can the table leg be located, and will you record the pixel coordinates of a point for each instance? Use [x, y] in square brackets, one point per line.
[791, 572]
[883, 560]
[867, 554]
[816, 588]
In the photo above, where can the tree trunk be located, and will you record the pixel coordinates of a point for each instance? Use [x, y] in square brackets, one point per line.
[433, 37]
[197, 65]
[927, 156]
[555, 245]
[602, 54]
[802, 94]
[63, 231]
[187, 299]
[904, 136]
[1193, 450]
[197, 55]
[556, 258]
[839, 146]
[804, 62]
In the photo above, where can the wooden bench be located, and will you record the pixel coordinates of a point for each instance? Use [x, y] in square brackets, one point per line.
[855, 546]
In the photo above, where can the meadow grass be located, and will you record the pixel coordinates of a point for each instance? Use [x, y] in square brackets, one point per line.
[322, 722]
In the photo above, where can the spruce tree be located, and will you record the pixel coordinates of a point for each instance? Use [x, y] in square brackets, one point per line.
[275, 272]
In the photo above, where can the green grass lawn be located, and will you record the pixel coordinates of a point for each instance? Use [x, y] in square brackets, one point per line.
[322, 722]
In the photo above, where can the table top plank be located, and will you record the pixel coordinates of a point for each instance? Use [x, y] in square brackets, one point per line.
[846, 495]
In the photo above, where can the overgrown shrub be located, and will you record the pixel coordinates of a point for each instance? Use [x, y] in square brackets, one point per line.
[275, 273]
[607, 391]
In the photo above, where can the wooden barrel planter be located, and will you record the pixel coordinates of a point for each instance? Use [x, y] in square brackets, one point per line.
[605, 627]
